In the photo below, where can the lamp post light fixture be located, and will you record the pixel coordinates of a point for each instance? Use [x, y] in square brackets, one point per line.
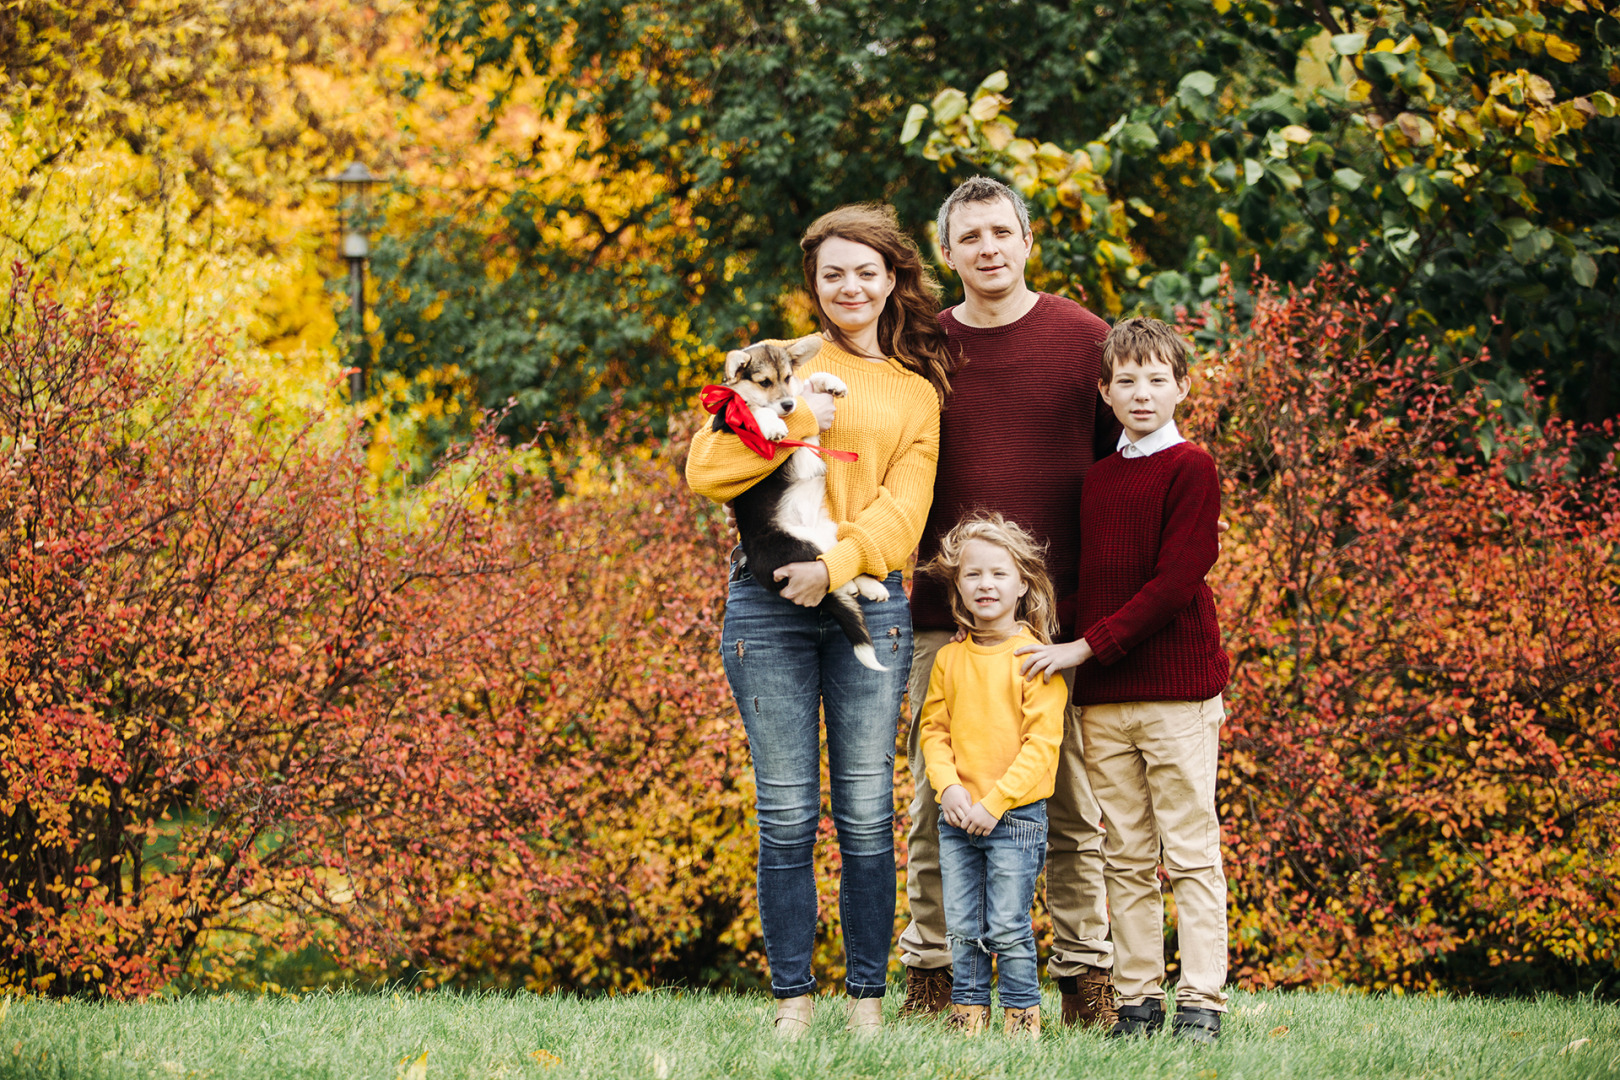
[354, 183]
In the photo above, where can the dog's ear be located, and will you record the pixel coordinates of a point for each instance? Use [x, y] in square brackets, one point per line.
[804, 349]
[735, 359]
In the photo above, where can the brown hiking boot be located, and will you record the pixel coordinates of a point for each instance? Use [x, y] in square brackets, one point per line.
[1088, 998]
[968, 1021]
[1024, 1022]
[928, 991]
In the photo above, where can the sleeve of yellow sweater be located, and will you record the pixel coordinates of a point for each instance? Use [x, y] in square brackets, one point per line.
[1044, 704]
[882, 536]
[935, 735]
[720, 467]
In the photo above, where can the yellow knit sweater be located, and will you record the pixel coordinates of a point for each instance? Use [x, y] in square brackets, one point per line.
[880, 502]
[986, 728]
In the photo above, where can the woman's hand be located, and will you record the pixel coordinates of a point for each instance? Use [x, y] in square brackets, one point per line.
[806, 582]
[822, 407]
[1048, 660]
[954, 803]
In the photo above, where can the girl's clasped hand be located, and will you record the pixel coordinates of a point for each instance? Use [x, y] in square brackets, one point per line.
[957, 808]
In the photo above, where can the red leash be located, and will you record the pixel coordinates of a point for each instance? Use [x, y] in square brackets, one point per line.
[723, 399]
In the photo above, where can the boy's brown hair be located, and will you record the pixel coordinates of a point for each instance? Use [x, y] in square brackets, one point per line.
[1140, 340]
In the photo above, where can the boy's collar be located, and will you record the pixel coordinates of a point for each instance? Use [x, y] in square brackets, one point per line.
[1151, 443]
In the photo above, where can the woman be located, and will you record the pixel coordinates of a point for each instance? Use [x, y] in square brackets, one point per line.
[785, 660]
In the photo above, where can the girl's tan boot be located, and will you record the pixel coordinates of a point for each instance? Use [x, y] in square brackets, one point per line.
[1024, 1022]
[793, 1017]
[968, 1020]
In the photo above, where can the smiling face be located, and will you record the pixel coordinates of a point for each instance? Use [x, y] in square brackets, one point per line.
[1144, 396]
[852, 283]
[991, 586]
[988, 248]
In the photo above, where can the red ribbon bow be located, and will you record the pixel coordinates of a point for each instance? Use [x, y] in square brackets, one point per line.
[740, 418]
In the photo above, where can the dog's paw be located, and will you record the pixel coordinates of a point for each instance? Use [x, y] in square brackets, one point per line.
[871, 588]
[772, 427]
[823, 382]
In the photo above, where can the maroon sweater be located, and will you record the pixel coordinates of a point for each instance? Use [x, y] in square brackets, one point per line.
[1022, 426]
[1147, 538]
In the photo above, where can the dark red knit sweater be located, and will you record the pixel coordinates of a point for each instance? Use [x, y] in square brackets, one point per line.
[1147, 538]
[1022, 426]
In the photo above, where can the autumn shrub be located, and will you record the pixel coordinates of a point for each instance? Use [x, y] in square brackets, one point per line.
[1421, 782]
[233, 683]
[655, 804]
[478, 732]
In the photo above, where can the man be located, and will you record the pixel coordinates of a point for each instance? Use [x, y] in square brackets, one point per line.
[1023, 424]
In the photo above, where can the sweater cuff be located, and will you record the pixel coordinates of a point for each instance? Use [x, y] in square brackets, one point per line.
[997, 802]
[843, 561]
[1103, 645]
[941, 777]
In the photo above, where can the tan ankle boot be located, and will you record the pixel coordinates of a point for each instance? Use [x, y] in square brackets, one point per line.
[865, 1016]
[968, 1020]
[793, 1017]
[1024, 1022]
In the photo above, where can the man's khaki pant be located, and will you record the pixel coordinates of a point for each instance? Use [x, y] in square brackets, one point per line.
[1074, 859]
[1152, 766]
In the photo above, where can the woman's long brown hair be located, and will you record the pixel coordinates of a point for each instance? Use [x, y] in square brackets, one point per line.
[908, 329]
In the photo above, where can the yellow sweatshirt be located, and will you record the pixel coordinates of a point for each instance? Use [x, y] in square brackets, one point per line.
[986, 728]
[880, 502]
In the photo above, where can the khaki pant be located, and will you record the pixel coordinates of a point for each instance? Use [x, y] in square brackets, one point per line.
[1152, 766]
[1074, 851]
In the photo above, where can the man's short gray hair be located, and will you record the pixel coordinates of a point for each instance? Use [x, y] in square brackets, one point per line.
[978, 189]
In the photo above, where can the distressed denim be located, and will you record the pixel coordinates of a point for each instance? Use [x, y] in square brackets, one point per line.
[787, 665]
[989, 887]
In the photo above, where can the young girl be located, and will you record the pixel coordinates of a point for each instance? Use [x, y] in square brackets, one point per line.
[990, 739]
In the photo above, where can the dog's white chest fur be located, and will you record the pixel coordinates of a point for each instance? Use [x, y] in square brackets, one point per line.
[803, 508]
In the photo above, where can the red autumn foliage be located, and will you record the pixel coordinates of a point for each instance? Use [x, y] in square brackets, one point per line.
[482, 729]
[477, 731]
[233, 684]
[654, 791]
[1421, 783]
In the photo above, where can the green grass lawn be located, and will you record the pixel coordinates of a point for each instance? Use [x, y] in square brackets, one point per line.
[673, 1035]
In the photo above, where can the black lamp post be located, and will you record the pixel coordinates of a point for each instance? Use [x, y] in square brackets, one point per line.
[354, 183]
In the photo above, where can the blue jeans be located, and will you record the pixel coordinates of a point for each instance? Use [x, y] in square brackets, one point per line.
[989, 886]
[786, 664]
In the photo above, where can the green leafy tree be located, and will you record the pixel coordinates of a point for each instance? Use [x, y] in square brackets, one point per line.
[1461, 157]
[747, 120]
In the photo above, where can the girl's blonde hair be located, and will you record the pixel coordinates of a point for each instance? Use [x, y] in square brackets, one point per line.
[1037, 608]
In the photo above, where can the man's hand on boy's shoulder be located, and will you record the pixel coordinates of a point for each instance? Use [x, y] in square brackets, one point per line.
[1048, 660]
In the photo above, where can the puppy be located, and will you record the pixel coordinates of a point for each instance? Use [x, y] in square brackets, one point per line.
[783, 518]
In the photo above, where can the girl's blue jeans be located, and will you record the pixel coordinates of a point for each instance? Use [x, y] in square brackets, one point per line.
[786, 665]
[989, 884]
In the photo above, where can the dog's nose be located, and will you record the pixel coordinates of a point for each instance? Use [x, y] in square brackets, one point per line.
[787, 405]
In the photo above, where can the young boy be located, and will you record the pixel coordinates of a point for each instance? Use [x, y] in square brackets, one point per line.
[1149, 682]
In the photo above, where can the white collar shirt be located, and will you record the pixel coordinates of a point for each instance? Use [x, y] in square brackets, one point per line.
[1151, 443]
